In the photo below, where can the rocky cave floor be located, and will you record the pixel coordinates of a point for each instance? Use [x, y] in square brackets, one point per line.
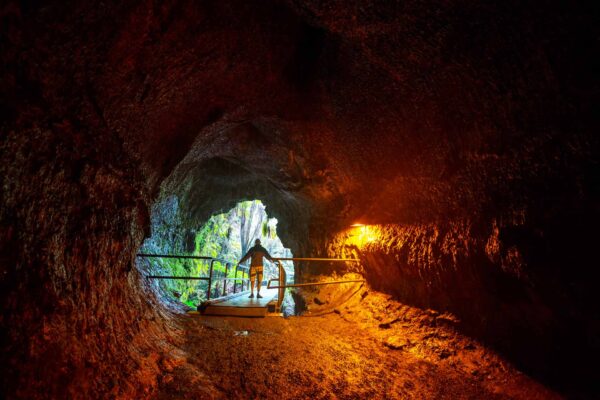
[351, 343]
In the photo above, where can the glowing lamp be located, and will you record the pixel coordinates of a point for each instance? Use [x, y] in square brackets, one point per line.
[362, 234]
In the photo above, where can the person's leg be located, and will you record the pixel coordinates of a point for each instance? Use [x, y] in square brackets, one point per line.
[252, 277]
[259, 283]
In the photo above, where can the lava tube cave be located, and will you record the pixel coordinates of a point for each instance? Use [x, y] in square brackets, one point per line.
[415, 185]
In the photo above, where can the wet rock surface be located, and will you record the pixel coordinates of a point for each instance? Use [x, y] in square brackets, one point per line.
[330, 356]
[504, 293]
[427, 335]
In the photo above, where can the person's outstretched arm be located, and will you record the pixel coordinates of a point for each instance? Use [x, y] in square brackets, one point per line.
[268, 255]
[245, 257]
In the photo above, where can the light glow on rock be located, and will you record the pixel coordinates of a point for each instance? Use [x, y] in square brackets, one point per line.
[360, 235]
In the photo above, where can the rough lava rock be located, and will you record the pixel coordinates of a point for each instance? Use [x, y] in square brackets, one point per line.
[464, 134]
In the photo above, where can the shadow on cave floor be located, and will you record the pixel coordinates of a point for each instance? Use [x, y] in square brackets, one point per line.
[345, 354]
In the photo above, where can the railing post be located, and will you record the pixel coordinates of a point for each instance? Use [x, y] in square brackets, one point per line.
[243, 280]
[235, 280]
[225, 280]
[210, 273]
[282, 281]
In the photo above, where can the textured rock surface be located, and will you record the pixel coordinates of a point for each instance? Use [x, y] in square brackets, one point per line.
[466, 129]
[76, 321]
[425, 334]
[502, 285]
[337, 356]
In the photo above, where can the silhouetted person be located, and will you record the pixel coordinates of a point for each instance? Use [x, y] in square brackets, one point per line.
[256, 265]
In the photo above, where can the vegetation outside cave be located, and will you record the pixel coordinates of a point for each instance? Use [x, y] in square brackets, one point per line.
[226, 236]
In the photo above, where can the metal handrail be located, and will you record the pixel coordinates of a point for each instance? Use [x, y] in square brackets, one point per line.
[173, 256]
[283, 278]
[209, 278]
[197, 278]
[313, 283]
[315, 259]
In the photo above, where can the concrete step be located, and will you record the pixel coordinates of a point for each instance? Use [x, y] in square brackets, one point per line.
[242, 306]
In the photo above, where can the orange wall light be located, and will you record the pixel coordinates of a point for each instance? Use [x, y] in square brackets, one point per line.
[361, 234]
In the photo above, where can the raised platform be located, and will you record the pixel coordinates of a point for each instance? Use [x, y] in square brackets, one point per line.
[240, 305]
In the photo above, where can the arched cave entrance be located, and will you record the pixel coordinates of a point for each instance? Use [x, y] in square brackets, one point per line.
[226, 236]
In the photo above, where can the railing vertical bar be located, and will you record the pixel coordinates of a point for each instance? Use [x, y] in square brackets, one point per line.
[210, 273]
[282, 279]
[235, 276]
[225, 280]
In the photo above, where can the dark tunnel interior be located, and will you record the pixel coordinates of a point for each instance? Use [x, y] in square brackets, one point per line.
[459, 138]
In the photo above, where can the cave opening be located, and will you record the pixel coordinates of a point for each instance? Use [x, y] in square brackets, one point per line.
[225, 236]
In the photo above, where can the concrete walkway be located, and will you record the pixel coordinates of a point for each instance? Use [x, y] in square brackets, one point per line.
[241, 305]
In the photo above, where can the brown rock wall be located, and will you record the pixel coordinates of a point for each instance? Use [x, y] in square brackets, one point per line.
[467, 131]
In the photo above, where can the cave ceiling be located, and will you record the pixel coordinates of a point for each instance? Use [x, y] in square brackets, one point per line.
[382, 112]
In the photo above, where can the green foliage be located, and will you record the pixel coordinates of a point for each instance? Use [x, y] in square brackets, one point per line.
[224, 236]
[190, 292]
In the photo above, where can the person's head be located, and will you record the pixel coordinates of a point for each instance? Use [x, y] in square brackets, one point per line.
[257, 242]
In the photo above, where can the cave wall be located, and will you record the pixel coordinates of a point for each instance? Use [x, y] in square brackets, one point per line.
[466, 130]
[87, 136]
[506, 281]
[76, 318]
